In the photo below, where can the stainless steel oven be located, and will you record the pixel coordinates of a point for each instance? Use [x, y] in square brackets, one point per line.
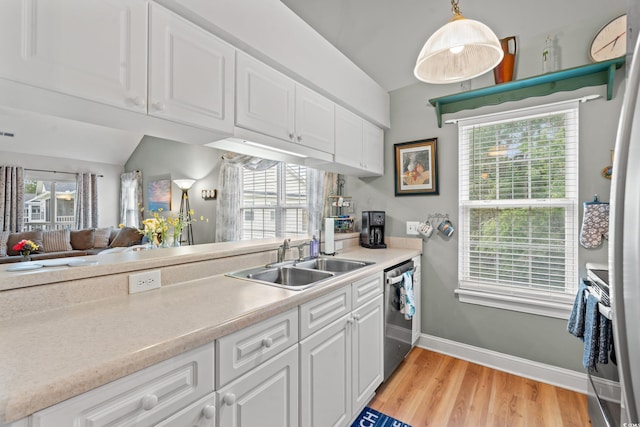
[397, 329]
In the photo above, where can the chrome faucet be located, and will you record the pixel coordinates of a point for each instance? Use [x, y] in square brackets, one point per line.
[301, 250]
[283, 248]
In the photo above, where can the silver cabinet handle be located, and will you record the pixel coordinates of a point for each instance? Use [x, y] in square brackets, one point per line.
[291, 135]
[299, 138]
[267, 342]
[149, 402]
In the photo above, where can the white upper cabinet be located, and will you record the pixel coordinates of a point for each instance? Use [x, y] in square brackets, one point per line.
[373, 148]
[359, 145]
[94, 50]
[265, 99]
[271, 103]
[348, 138]
[190, 73]
[315, 121]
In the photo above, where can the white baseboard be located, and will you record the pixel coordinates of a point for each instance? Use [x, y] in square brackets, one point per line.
[560, 377]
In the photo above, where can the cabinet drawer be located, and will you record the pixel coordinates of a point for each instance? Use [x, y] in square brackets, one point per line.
[366, 289]
[199, 414]
[142, 398]
[324, 310]
[242, 351]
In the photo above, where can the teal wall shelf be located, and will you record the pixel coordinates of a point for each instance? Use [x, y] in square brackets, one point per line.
[571, 79]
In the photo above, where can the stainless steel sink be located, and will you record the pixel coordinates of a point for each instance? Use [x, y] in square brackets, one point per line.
[335, 265]
[288, 277]
[299, 275]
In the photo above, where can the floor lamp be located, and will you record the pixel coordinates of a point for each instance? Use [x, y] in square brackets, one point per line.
[185, 212]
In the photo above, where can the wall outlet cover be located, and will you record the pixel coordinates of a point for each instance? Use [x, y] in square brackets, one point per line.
[145, 281]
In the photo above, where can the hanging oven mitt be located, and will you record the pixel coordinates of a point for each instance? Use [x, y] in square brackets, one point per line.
[595, 224]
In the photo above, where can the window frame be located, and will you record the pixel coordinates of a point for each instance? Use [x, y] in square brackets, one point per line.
[280, 207]
[522, 299]
[53, 179]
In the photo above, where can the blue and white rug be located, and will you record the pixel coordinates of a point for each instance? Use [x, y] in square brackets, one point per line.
[372, 418]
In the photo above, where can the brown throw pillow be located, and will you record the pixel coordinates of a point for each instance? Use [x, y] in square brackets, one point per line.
[56, 240]
[35, 236]
[82, 239]
[128, 236]
[4, 236]
[101, 237]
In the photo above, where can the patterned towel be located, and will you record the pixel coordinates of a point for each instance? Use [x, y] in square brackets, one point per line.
[575, 326]
[407, 301]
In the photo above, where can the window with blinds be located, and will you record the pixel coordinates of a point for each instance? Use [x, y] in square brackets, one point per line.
[274, 202]
[518, 202]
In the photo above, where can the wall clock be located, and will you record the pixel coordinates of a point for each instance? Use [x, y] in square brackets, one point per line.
[611, 41]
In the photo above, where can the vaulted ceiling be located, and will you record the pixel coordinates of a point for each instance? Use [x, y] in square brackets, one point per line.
[384, 37]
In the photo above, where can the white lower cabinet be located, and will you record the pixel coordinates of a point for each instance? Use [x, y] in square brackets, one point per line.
[341, 364]
[265, 396]
[325, 376]
[367, 342]
[140, 399]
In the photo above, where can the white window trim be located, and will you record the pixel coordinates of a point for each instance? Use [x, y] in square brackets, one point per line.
[523, 300]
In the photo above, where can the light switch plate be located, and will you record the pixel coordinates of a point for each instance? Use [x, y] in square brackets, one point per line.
[412, 227]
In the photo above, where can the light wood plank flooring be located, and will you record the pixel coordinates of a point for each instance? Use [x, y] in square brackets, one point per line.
[432, 389]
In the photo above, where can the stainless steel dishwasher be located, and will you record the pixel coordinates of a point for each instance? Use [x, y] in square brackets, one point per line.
[397, 329]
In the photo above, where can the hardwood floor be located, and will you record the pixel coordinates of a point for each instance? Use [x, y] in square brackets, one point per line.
[432, 389]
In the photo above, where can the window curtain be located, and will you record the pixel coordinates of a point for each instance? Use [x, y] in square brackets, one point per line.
[86, 200]
[320, 185]
[131, 199]
[11, 198]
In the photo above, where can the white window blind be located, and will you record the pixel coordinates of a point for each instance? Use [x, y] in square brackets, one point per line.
[274, 201]
[518, 202]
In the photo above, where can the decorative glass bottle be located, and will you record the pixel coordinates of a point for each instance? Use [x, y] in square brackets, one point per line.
[548, 56]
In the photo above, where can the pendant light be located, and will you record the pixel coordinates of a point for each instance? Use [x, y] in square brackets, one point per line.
[460, 50]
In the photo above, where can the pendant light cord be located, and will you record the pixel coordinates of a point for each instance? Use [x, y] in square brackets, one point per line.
[455, 8]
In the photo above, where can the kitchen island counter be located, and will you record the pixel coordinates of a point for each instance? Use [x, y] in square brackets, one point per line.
[52, 355]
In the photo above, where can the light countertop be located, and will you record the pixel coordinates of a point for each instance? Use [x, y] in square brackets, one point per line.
[50, 356]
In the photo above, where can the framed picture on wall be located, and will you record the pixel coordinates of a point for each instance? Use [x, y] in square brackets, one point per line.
[159, 193]
[416, 167]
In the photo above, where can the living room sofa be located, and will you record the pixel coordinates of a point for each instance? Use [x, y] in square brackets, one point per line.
[67, 243]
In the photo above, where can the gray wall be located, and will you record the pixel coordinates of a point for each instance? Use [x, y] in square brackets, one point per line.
[156, 157]
[533, 337]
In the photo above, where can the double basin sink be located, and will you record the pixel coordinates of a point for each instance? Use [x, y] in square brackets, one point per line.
[299, 275]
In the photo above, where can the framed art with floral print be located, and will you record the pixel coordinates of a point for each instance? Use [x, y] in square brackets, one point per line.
[416, 167]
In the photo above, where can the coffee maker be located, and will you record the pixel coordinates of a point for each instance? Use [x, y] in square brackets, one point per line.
[372, 233]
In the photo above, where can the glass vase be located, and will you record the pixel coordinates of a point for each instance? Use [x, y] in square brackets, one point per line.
[26, 257]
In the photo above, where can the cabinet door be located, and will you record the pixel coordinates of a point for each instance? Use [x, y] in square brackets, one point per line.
[373, 147]
[365, 289]
[266, 396]
[348, 138]
[94, 50]
[190, 73]
[265, 100]
[325, 376]
[368, 363]
[315, 121]
[199, 414]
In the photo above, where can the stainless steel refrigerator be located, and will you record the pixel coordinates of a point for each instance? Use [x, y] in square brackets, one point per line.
[624, 231]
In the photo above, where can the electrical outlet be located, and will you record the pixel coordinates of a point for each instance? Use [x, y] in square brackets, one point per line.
[412, 227]
[338, 245]
[146, 281]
